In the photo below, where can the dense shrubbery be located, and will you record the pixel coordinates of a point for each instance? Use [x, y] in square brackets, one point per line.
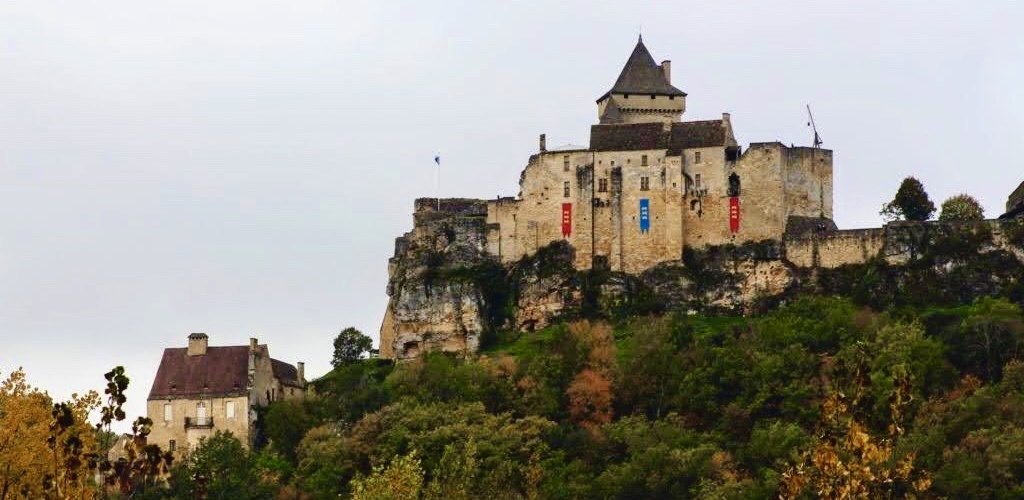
[920, 402]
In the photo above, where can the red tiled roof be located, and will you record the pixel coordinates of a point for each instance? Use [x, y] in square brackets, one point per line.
[221, 371]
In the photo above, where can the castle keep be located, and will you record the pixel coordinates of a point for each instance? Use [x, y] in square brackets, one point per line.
[650, 184]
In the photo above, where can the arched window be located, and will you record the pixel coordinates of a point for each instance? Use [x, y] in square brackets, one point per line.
[734, 185]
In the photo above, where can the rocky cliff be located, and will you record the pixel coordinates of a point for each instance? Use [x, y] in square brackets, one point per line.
[447, 293]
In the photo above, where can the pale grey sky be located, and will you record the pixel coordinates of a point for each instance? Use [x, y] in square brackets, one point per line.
[242, 168]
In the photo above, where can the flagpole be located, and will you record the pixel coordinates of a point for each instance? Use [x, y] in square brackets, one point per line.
[438, 161]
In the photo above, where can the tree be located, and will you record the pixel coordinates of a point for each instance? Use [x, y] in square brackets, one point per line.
[961, 208]
[220, 467]
[401, 480]
[911, 203]
[349, 346]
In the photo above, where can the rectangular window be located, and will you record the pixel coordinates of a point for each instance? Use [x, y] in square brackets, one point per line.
[696, 157]
[643, 160]
[602, 185]
[613, 163]
[229, 409]
[565, 188]
[172, 445]
[696, 180]
[168, 413]
[565, 163]
[645, 183]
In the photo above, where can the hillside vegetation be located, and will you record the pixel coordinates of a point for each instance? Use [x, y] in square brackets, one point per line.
[890, 381]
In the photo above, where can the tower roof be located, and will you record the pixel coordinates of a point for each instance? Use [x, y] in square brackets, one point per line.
[641, 75]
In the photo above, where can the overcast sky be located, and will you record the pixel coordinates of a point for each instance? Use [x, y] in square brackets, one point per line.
[242, 168]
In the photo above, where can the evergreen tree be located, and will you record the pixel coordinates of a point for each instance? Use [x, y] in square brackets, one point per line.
[911, 203]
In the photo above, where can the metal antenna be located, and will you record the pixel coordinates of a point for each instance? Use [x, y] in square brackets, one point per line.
[810, 123]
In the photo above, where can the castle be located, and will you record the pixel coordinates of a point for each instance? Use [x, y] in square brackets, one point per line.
[592, 225]
[650, 184]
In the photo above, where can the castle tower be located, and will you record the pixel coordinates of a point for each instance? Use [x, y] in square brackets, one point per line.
[643, 93]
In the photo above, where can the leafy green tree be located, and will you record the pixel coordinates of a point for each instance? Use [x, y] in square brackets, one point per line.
[349, 346]
[350, 391]
[220, 468]
[402, 479]
[911, 203]
[991, 334]
[961, 208]
[285, 423]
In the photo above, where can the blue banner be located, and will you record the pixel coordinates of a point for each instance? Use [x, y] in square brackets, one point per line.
[645, 215]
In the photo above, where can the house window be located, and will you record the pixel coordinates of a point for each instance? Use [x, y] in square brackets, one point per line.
[696, 157]
[168, 413]
[229, 409]
[565, 163]
[565, 189]
[602, 185]
[696, 180]
[643, 160]
[201, 413]
[645, 183]
[172, 445]
[652, 96]
[734, 185]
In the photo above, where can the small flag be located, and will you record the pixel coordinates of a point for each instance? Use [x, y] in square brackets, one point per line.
[437, 159]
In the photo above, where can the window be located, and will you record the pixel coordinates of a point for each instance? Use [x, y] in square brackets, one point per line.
[645, 183]
[229, 409]
[565, 189]
[734, 185]
[696, 157]
[613, 163]
[643, 160]
[168, 413]
[602, 185]
[565, 163]
[652, 96]
[200, 411]
[696, 180]
[172, 445]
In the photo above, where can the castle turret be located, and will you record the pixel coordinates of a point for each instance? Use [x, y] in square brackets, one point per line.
[643, 93]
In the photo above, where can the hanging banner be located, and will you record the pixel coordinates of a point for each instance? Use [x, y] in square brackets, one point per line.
[645, 215]
[734, 214]
[566, 220]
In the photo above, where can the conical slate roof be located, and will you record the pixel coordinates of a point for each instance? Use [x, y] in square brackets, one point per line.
[641, 75]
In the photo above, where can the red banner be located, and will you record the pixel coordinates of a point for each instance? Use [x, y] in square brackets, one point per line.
[734, 214]
[566, 219]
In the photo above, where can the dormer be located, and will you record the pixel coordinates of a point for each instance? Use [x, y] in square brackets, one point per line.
[643, 93]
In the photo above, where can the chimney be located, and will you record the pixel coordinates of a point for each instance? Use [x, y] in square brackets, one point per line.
[253, 344]
[543, 143]
[301, 367]
[666, 69]
[197, 343]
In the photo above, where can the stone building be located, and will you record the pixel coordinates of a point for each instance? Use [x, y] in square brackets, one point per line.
[200, 389]
[650, 184]
[1015, 203]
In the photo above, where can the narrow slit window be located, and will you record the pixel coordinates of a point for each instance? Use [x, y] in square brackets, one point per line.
[643, 160]
[696, 157]
[696, 181]
[565, 163]
[565, 188]
[602, 185]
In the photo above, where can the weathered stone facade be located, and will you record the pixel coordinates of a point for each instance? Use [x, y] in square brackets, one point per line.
[200, 390]
[726, 229]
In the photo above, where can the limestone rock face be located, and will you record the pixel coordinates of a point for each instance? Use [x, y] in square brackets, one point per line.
[436, 302]
[546, 287]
